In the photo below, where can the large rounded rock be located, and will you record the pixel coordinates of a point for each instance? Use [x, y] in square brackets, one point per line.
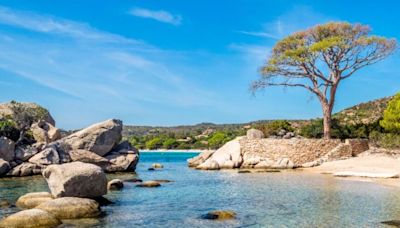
[4, 167]
[99, 138]
[71, 208]
[32, 200]
[228, 156]
[46, 157]
[255, 134]
[33, 218]
[76, 179]
[7, 148]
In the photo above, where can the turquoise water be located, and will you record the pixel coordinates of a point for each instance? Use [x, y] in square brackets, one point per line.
[286, 199]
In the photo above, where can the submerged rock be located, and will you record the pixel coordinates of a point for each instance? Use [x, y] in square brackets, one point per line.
[133, 180]
[5, 204]
[157, 166]
[76, 179]
[71, 208]
[219, 215]
[149, 184]
[32, 218]
[163, 181]
[32, 200]
[115, 184]
[395, 223]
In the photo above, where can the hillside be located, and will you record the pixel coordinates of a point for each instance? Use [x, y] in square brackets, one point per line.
[363, 113]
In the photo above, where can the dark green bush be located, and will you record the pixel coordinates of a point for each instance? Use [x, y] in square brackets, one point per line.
[9, 129]
[273, 127]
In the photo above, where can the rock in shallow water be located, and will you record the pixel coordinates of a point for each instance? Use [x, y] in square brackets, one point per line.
[32, 218]
[4, 167]
[157, 166]
[219, 215]
[71, 208]
[115, 184]
[33, 199]
[76, 179]
[149, 184]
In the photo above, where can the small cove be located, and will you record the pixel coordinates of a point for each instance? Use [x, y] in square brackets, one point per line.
[285, 199]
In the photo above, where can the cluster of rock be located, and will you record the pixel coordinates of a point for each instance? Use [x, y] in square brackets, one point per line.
[74, 187]
[255, 151]
[99, 144]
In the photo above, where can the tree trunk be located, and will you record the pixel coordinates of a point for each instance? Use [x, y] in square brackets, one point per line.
[327, 124]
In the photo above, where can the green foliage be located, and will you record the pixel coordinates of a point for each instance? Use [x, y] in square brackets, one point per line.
[391, 115]
[273, 127]
[154, 143]
[385, 140]
[218, 139]
[9, 129]
[170, 143]
[316, 130]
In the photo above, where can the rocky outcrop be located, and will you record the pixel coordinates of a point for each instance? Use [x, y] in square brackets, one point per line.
[71, 208]
[98, 144]
[99, 138]
[7, 147]
[244, 152]
[32, 218]
[76, 179]
[33, 199]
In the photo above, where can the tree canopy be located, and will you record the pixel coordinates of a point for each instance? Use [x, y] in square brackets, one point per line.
[319, 58]
[391, 115]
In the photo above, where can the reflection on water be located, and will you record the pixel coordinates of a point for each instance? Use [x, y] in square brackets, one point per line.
[286, 199]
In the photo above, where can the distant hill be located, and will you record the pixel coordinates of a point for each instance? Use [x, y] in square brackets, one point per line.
[363, 113]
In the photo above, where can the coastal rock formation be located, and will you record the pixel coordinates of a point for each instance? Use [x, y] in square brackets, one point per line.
[33, 199]
[30, 110]
[259, 153]
[7, 147]
[99, 138]
[98, 144]
[71, 208]
[76, 179]
[32, 218]
[227, 157]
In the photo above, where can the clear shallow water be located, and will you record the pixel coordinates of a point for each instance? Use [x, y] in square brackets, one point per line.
[286, 199]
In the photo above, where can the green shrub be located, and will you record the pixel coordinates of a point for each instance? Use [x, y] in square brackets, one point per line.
[391, 115]
[218, 139]
[385, 140]
[170, 143]
[154, 143]
[9, 130]
[273, 127]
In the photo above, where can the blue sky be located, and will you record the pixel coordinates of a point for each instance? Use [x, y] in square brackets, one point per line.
[172, 62]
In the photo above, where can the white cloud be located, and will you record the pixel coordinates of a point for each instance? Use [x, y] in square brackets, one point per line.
[158, 15]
